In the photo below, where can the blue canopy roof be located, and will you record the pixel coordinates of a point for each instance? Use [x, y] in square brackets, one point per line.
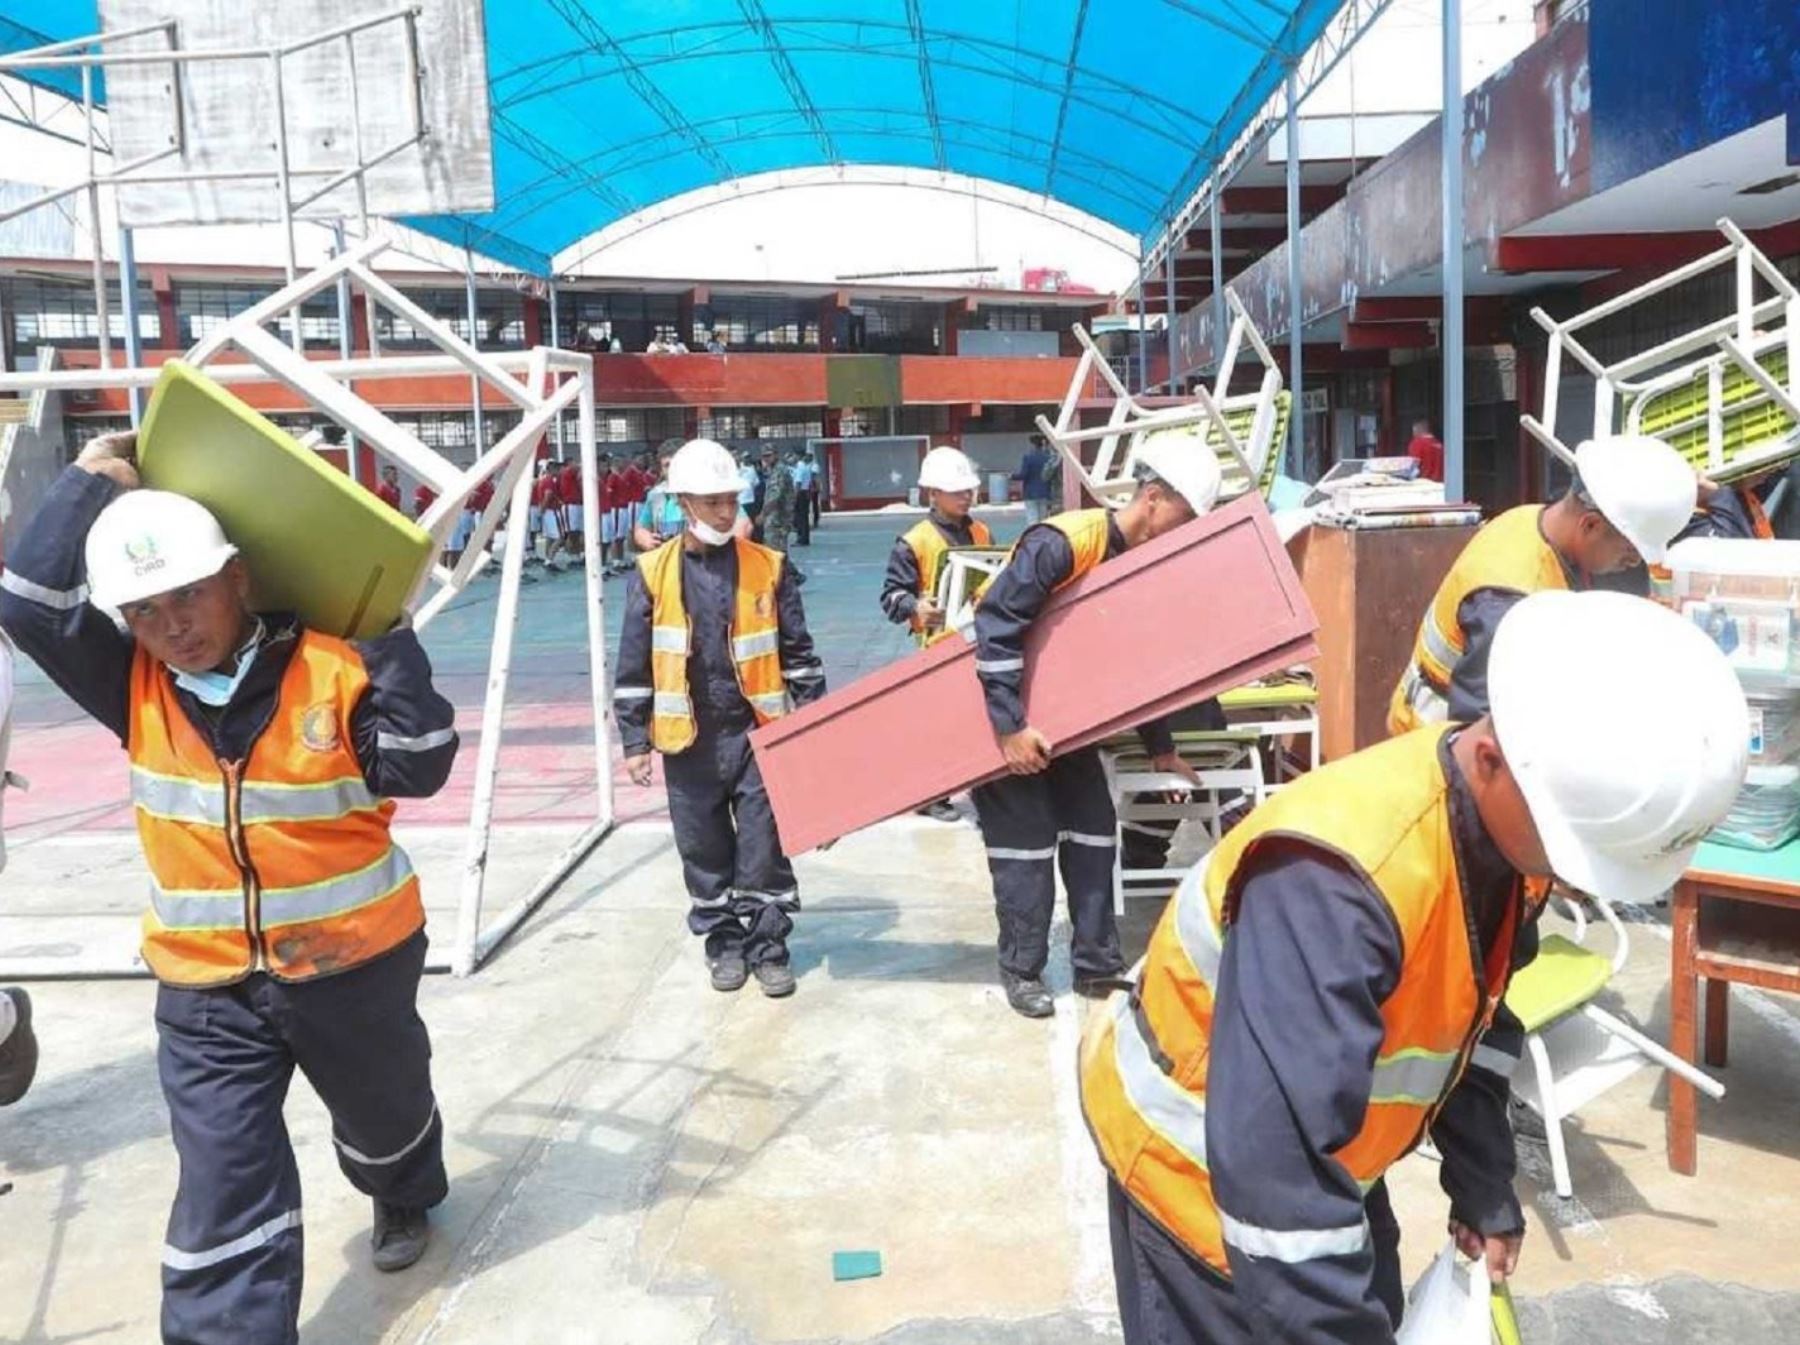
[603, 107]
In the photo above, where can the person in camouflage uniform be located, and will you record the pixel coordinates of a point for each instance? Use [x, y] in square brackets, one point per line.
[780, 498]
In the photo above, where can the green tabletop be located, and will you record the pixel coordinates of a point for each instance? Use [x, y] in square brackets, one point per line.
[1781, 866]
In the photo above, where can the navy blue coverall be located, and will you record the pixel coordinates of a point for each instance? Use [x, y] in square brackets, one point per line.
[227, 1054]
[1062, 816]
[1307, 963]
[741, 887]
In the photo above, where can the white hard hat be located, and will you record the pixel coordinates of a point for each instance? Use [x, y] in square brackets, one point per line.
[947, 468]
[1181, 459]
[1626, 730]
[148, 542]
[703, 467]
[1644, 488]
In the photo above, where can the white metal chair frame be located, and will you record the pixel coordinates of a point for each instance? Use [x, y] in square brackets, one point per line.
[963, 568]
[1553, 1101]
[1223, 764]
[1734, 340]
[1110, 480]
[552, 380]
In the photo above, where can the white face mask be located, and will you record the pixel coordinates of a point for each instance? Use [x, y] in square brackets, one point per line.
[707, 533]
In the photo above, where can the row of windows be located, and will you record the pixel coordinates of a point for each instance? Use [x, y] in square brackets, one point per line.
[54, 312]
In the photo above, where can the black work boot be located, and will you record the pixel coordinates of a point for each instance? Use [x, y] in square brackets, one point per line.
[775, 979]
[400, 1236]
[19, 1052]
[941, 810]
[1027, 995]
[729, 970]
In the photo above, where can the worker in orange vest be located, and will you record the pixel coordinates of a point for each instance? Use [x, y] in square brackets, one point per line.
[949, 482]
[1628, 498]
[714, 643]
[1325, 990]
[1055, 809]
[1735, 511]
[909, 587]
[285, 926]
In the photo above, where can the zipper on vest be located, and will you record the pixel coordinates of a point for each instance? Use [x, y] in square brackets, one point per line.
[240, 854]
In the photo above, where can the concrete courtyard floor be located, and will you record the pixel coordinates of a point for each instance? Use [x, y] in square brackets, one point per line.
[636, 1159]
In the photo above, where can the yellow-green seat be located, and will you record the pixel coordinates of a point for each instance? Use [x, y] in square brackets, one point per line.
[1241, 418]
[1748, 418]
[1563, 977]
[1269, 698]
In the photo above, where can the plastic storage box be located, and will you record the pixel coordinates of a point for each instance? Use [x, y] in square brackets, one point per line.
[1745, 594]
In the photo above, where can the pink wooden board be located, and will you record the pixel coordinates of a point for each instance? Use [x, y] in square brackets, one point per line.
[1198, 611]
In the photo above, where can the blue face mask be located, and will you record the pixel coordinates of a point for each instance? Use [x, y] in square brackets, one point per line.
[217, 688]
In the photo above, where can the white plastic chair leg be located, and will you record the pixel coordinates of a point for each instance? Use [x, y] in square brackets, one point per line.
[1546, 1082]
[1661, 1054]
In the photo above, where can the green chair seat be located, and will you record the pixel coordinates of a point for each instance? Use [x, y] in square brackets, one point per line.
[1563, 977]
[1268, 698]
[1241, 419]
[1748, 420]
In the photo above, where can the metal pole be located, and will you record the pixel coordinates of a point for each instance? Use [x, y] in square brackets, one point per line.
[1221, 318]
[475, 341]
[1169, 306]
[346, 341]
[596, 593]
[493, 711]
[103, 336]
[285, 186]
[134, 353]
[1143, 332]
[555, 342]
[1296, 319]
[1451, 336]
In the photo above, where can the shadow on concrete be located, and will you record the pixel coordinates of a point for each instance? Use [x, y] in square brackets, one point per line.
[845, 937]
[556, 1166]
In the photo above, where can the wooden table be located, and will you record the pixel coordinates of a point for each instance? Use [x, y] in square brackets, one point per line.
[1737, 918]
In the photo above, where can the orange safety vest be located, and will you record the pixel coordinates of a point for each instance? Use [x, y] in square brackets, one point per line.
[281, 862]
[1087, 531]
[929, 549]
[755, 640]
[1760, 527]
[1508, 553]
[1386, 812]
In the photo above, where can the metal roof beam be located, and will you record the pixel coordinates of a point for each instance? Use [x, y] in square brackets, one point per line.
[589, 30]
[758, 18]
[560, 166]
[1062, 106]
[1246, 35]
[857, 42]
[927, 89]
[1312, 67]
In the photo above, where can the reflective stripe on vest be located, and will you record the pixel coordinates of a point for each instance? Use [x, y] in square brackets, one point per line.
[929, 548]
[283, 861]
[1385, 812]
[1508, 553]
[208, 910]
[755, 641]
[203, 802]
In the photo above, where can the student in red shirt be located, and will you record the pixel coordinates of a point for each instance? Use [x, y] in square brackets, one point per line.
[423, 498]
[1427, 451]
[568, 485]
[546, 513]
[387, 490]
[612, 496]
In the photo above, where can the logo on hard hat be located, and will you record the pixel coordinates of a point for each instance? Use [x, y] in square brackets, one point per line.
[141, 552]
[319, 727]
